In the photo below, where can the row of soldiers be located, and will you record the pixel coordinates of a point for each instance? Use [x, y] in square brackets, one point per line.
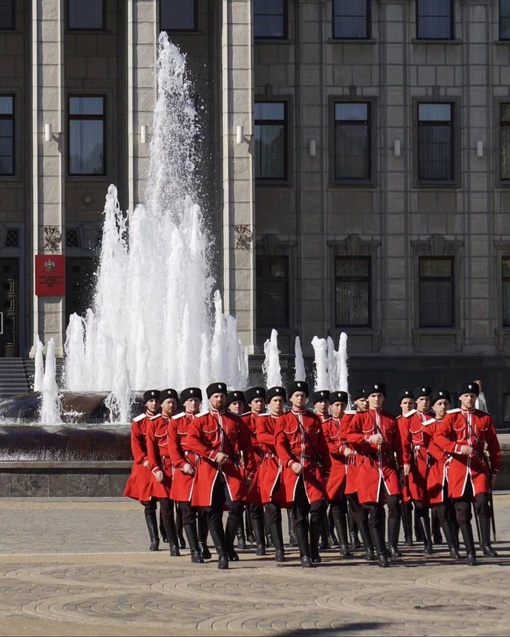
[272, 458]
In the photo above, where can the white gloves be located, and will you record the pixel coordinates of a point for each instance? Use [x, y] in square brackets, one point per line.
[221, 457]
[297, 467]
[158, 474]
[188, 469]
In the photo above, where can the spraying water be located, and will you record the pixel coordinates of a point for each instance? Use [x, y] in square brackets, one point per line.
[299, 364]
[39, 365]
[271, 365]
[151, 324]
[321, 363]
[50, 404]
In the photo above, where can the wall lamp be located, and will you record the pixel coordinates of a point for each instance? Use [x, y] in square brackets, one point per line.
[239, 134]
[144, 134]
[397, 148]
[47, 133]
[312, 148]
[479, 148]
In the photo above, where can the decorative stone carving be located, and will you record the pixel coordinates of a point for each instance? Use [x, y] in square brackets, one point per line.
[52, 239]
[243, 237]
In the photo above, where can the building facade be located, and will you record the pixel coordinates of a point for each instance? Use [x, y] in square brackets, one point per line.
[356, 165]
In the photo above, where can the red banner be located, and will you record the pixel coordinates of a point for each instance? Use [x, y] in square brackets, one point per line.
[50, 274]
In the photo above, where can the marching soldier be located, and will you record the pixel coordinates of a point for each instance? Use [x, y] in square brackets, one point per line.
[256, 401]
[320, 402]
[416, 459]
[139, 484]
[184, 464]
[374, 435]
[270, 470]
[406, 402]
[301, 447]
[160, 464]
[339, 451]
[437, 486]
[219, 437]
[463, 434]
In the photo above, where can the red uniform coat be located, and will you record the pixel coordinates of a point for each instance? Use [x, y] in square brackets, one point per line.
[436, 476]
[414, 452]
[182, 483]
[337, 478]
[376, 465]
[250, 419]
[475, 429]
[159, 457]
[299, 438]
[213, 432]
[270, 470]
[139, 484]
[352, 467]
[406, 494]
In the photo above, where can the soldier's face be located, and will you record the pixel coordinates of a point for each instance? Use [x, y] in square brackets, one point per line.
[440, 407]
[406, 404]
[337, 409]
[258, 405]
[361, 404]
[298, 399]
[169, 406]
[152, 405]
[423, 403]
[375, 400]
[322, 407]
[237, 407]
[218, 400]
[276, 405]
[468, 400]
[192, 405]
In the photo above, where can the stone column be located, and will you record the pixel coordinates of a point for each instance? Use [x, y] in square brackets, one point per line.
[238, 179]
[48, 157]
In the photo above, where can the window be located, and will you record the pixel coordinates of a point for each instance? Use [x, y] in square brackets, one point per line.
[6, 15]
[178, 15]
[87, 135]
[351, 19]
[85, 15]
[505, 275]
[271, 140]
[270, 19]
[435, 142]
[436, 292]
[353, 291]
[6, 135]
[353, 141]
[504, 19]
[504, 143]
[434, 19]
[273, 291]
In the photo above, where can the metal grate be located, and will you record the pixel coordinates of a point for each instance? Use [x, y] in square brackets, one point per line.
[12, 238]
[72, 238]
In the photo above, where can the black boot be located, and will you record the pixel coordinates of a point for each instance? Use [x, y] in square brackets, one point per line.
[218, 538]
[393, 533]
[292, 535]
[380, 546]
[469, 543]
[366, 537]
[424, 522]
[436, 529]
[301, 533]
[450, 539]
[171, 532]
[230, 534]
[485, 533]
[323, 533]
[277, 535]
[341, 531]
[191, 534]
[203, 531]
[407, 523]
[241, 538]
[316, 528]
[152, 525]
[250, 537]
[179, 528]
[257, 523]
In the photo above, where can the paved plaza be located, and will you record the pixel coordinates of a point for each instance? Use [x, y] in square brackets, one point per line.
[81, 567]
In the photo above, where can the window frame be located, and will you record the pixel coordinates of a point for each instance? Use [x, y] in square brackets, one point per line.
[194, 29]
[102, 118]
[435, 38]
[500, 37]
[368, 23]
[264, 281]
[429, 279]
[500, 180]
[285, 19]
[355, 182]
[103, 19]
[455, 141]
[11, 117]
[503, 281]
[368, 279]
[12, 26]
[256, 122]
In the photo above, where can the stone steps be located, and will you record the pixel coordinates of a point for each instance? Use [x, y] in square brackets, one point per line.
[17, 376]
